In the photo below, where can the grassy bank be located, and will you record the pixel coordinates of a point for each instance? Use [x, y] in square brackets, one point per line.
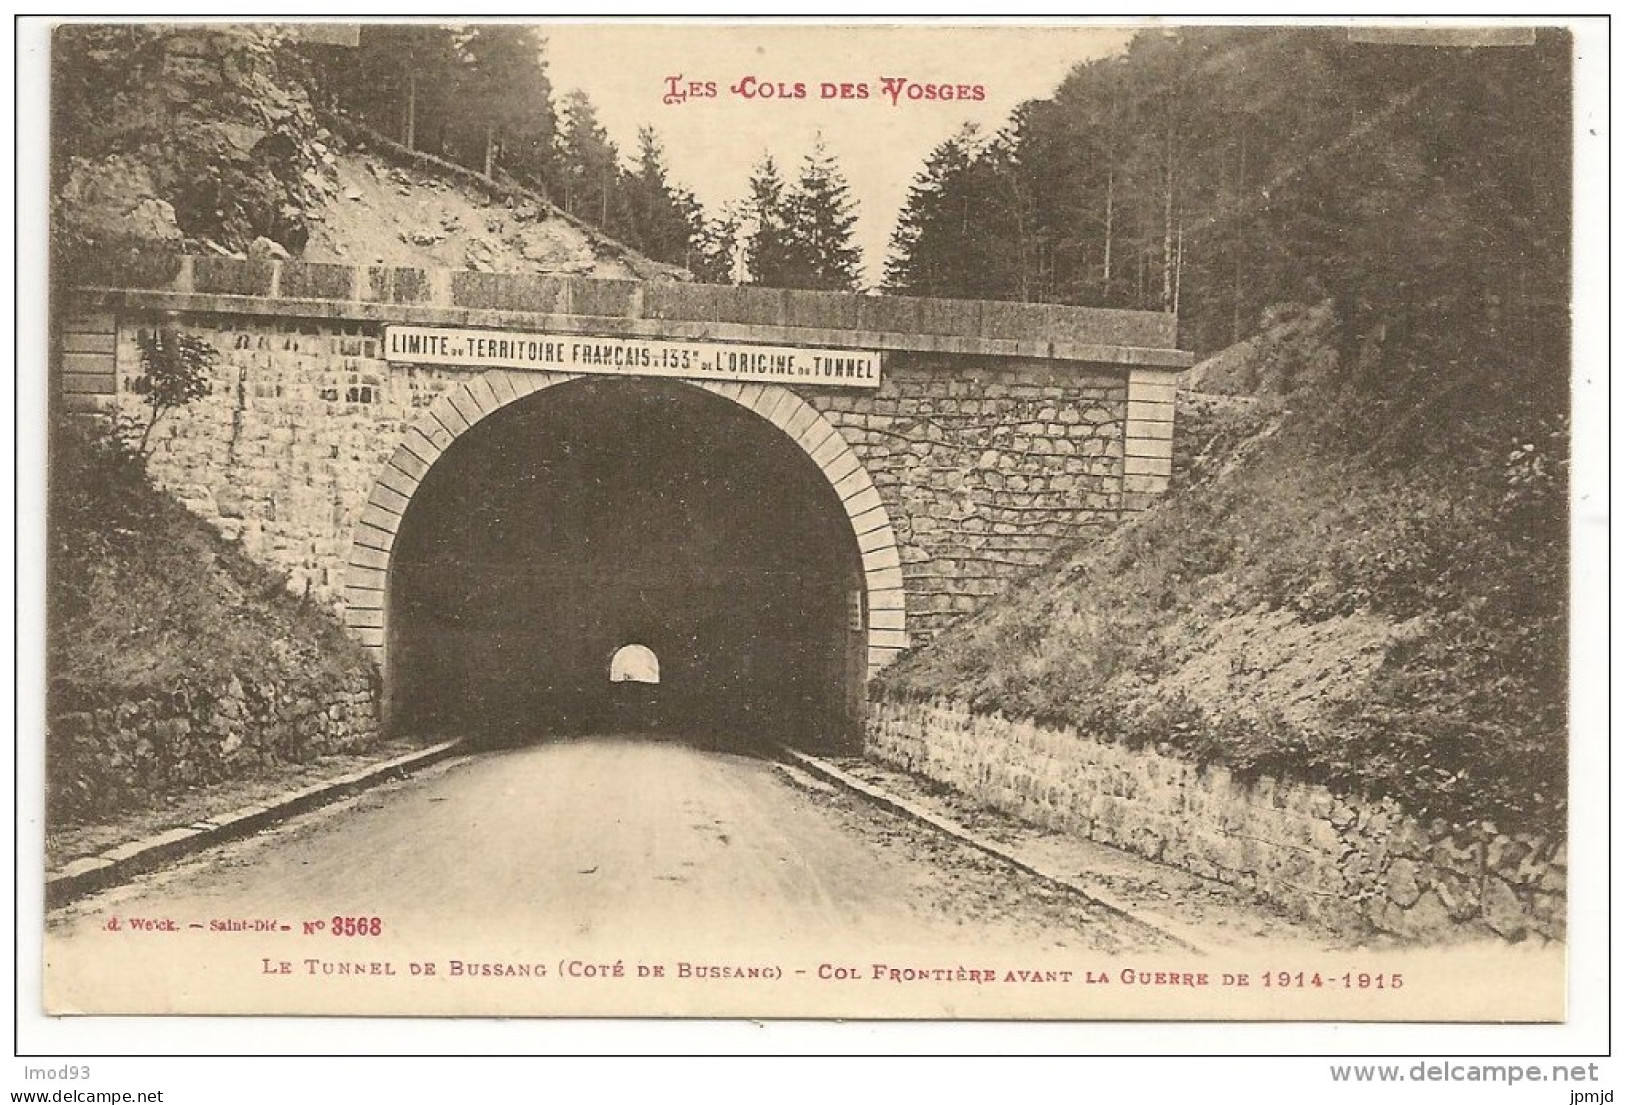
[175, 660]
[1363, 591]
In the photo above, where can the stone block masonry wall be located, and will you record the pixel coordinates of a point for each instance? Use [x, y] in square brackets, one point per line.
[984, 467]
[1352, 866]
[1148, 437]
[88, 378]
[111, 754]
[283, 451]
[1000, 429]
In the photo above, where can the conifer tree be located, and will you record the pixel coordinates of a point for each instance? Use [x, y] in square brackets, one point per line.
[664, 221]
[768, 252]
[801, 236]
[506, 97]
[401, 81]
[589, 169]
[821, 217]
[718, 253]
[931, 247]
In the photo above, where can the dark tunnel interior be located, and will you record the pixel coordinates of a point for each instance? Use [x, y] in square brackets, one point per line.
[602, 513]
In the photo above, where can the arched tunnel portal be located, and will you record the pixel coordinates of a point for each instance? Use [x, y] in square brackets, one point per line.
[600, 513]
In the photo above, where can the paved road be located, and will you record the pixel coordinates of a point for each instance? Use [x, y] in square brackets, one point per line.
[620, 837]
[603, 845]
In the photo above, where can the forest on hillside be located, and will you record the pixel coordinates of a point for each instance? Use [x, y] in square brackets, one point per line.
[1214, 171]
[1377, 238]
[1208, 171]
[1222, 172]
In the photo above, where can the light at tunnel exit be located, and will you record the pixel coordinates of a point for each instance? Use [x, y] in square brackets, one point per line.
[634, 664]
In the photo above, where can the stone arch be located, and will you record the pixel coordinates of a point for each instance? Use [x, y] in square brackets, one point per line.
[366, 573]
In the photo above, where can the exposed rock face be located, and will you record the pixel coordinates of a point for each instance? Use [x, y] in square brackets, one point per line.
[214, 141]
[115, 198]
[202, 137]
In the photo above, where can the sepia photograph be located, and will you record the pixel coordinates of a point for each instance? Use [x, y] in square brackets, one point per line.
[873, 521]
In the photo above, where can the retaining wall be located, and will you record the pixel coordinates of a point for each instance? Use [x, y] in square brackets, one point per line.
[109, 754]
[1349, 865]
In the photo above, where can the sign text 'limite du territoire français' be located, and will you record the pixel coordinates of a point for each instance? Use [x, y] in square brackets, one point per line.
[700, 360]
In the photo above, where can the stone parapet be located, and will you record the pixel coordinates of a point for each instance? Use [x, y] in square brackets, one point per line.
[298, 289]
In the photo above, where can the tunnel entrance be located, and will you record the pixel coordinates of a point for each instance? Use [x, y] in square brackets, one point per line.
[605, 512]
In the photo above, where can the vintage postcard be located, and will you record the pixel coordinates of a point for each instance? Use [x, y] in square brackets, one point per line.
[1016, 522]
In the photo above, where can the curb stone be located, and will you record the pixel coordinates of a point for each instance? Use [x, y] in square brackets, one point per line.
[1173, 930]
[122, 863]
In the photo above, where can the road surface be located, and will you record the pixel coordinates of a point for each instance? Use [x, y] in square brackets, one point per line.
[621, 876]
[550, 865]
[608, 836]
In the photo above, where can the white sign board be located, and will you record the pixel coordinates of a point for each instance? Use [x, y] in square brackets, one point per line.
[699, 360]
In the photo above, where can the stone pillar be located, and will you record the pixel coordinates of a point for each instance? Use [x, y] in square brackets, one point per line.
[1148, 435]
[87, 376]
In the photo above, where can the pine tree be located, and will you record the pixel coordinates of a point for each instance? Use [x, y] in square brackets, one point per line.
[717, 257]
[1006, 245]
[401, 81]
[822, 215]
[801, 236]
[663, 221]
[768, 251]
[504, 98]
[931, 246]
[589, 170]
[970, 227]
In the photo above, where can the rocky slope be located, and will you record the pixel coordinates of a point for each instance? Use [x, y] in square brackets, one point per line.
[208, 141]
[382, 205]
